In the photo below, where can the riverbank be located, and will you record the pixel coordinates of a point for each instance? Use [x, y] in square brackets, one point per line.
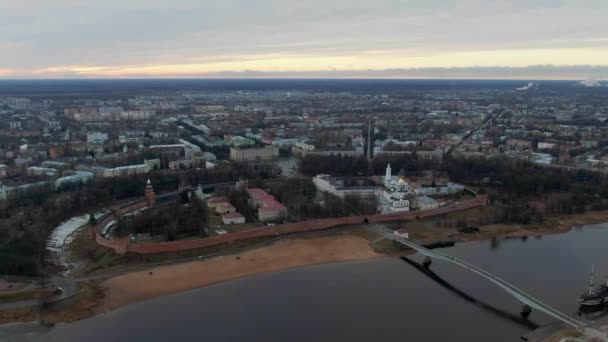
[347, 245]
[138, 286]
[552, 225]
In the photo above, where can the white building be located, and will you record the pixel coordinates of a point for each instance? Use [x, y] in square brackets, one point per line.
[136, 115]
[80, 177]
[7, 192]
[41, 171]
[186, 163]
[426, 203]
[54, 164]
[97, 137]
[233, 218]
[335, 186]
[254, 154]
[128, 170]
[402, 233]
[396, 192]
[304, 146]
[546, 145]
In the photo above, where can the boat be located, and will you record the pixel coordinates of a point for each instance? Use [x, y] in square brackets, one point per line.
[594, 298]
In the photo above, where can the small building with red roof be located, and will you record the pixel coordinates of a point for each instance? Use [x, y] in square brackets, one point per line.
[233, 218]
[221, 205]
[269, 209]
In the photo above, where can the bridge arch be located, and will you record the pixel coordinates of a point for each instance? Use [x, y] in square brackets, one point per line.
[519, 294]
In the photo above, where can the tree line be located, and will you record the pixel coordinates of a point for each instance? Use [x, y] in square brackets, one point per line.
[304, 202]
[342, 166]
[183, 217]
[27, 219]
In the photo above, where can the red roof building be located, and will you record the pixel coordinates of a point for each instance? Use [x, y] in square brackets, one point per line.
[269, 209]
[233, 218]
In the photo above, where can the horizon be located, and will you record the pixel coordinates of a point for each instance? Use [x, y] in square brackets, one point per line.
[289, 79]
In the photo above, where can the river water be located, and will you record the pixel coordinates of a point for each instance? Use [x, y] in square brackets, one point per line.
[371, 300]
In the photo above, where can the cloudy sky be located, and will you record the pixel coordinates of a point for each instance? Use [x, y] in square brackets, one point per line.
[304, 38]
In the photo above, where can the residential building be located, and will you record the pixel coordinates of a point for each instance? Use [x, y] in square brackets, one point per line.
[254, 154]
[97, 137]
[426, 203]
[128, 170]
[41, 171]
[79, 177]
[186, 163]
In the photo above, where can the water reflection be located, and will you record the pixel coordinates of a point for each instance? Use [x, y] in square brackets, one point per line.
[469, 298]
[369, 300]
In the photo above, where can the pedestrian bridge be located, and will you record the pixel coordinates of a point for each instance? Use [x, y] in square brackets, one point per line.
[519, 294]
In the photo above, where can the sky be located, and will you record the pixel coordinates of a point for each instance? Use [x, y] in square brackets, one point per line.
[534, 39]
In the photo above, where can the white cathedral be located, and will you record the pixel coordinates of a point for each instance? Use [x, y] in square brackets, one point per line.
[396, 191]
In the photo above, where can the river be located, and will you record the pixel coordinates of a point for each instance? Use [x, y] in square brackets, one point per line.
[371, 300]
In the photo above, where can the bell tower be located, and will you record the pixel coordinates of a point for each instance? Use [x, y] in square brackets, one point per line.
[389, 174]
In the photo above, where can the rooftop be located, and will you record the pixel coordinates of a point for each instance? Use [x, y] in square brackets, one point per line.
[234, 215]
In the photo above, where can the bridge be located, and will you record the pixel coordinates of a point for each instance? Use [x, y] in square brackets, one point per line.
[527, 300]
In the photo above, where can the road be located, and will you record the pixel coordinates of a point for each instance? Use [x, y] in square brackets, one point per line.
[69, 288]
[488, 120]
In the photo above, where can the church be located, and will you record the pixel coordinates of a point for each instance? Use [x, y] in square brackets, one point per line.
[397, 191]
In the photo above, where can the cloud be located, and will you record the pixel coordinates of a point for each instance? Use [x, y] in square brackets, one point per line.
[536, 72]
[5, 72]
[114, 34]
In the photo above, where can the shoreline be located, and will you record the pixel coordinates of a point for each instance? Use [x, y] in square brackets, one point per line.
[288, 254]
[129, 288]
[552, 225]
[126, 289]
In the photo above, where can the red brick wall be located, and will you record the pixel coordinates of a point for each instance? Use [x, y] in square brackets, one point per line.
[124, 245]
[118, 245]
[197, 243]
[132, 207]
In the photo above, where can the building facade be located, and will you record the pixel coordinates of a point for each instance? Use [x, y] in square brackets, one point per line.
[269, 209]
[254, 154]
[233, 218]
[335, 186]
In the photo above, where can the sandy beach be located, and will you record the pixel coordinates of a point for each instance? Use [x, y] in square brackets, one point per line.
[138, 286]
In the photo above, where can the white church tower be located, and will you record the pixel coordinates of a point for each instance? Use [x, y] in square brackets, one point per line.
[389, 175]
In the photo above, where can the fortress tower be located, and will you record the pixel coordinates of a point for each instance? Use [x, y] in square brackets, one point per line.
[149, 194]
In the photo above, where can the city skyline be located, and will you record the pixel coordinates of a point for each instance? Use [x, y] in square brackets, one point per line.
[332, 39]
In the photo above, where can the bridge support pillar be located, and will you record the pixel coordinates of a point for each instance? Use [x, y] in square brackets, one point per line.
[427, 262]
[525, 311]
